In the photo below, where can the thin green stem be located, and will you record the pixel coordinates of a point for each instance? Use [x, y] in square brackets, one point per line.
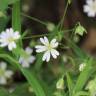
[35, 36]
[60, 25]
[33, 18]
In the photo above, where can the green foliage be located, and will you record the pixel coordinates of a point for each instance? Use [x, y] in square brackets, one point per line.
[3, 23]
[16, 17]
[41, 79]
[4, 4]
[16, 24]
[3, 92]
[23, 89]
[70, 83]
[85, 74]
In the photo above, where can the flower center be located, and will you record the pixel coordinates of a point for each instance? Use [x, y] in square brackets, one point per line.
[49, 47]
[11, 39]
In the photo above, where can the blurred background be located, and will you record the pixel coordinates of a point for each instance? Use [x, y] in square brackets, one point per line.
[53, 10]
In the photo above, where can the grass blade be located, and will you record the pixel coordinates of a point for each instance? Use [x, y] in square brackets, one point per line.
[32, 80]
[84, 76]
[16, 18]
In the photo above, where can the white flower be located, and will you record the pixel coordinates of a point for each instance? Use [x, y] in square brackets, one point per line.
[25, 61]
[82, 66]
[48, 48]
[8, 38]
[90, 8]
[4, 73]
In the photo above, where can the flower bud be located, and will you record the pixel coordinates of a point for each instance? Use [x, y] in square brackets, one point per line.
[60, 84]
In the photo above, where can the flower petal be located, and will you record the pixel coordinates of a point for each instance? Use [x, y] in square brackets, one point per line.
[40, 48]
[29, 50]
[3, 80]
[11, 46]
[86, 8]
[91, 14]
[3, 65]
[89, 2]
[53, 43]
[42, 41]
[25, 64]
[54, 53]
[16, 35]
[46, 56]
[8, 73]
[46, 40]
[3, 44]
[31, 59]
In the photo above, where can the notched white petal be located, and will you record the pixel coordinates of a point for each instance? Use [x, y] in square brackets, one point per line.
[42, 41]
[46, 40]
[3, 65]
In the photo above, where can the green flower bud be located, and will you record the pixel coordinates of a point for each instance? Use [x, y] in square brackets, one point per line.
[60, 84]
[80, 30]
[50, 26]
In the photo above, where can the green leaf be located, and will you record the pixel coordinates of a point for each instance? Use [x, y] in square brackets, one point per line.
[39, 91]
[16, 17]
[3, 23]
[31, 78]
[82, 93]
[12, 1]
[4, 4]
[70, 83]
[83, 77]
[39, 62]
[3, 92]
[22, 90]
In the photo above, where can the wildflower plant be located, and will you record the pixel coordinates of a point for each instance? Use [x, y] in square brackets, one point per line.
[57, 56]
[4, 73]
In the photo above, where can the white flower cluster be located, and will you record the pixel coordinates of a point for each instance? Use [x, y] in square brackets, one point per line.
[8, 38]
[26, 61]
[90, 8]
[4, 73]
